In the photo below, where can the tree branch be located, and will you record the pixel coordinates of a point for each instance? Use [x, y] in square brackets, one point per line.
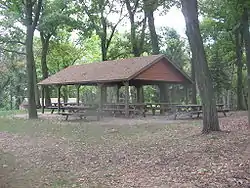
[37, 13]
[91, 18]
[136, 6]
[12, 41]
[13, 51]
[114, 28]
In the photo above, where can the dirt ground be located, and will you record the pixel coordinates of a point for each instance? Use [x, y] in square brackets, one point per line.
[116, 152]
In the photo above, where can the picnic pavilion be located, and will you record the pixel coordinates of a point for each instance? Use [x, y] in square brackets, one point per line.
[137, 72]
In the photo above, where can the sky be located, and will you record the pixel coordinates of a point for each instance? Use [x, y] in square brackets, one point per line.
[174, 18]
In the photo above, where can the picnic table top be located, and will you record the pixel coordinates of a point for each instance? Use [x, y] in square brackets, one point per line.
[123, 104]
[81, 107]
[195, 105]
[138, 104]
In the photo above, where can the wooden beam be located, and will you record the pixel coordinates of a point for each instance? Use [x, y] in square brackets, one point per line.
[126, 84]
[78, 94]
[58, 98]
[42, 96]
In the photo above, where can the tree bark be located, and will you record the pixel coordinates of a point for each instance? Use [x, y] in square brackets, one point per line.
[153, 34]
[30, 70]
[210, 116]
[246, 36]
[238, 50]
[194, 92]
[103, 36]
[45, 48]
[30, 63]
[137, 41]
[37, 93]
[31, 24]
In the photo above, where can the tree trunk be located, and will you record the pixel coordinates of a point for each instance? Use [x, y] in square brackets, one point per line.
[246, 36]
[136, 42]
[31, 24]
[37, 93]
[104, 50]
[30, 65]
[153, 34]
[238, 50]
[194, 92]
[18, 96]
[45, 48]
[210, 116]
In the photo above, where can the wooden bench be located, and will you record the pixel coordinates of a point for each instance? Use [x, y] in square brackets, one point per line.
[155, 108]
[52, 108]
[122, 111]
[67, 114]
[224, 111]
[198, 112]
[80, 114]
[137, 111]
[113, 110]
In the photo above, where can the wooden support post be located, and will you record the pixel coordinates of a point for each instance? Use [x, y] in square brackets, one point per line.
[140, 97]
[100, 100]
[104, 93]
[126, 84]
[117, 94]
[42, 96]
[163, 95]
[137, 94]
[78, 94]
[58, 98]
[186, 94]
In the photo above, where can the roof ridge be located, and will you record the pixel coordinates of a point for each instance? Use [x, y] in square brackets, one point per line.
[114, 60]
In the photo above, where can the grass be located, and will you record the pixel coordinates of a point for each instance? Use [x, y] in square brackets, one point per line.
[84, 131]
[4, 113]
[11, 112]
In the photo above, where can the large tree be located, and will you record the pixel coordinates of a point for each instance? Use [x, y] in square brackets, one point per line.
[54, 15]
[227, 37]
[210, 117]
[32, 11]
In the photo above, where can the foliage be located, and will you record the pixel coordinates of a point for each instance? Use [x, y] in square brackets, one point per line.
[173, 46]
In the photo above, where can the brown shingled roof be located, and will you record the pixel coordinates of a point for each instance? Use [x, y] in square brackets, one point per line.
[107, 71]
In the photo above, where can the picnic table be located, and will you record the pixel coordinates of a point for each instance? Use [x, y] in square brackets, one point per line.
[79, 111]
[63, 106]
[195, 109]
[134, 108]
[161, 106]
